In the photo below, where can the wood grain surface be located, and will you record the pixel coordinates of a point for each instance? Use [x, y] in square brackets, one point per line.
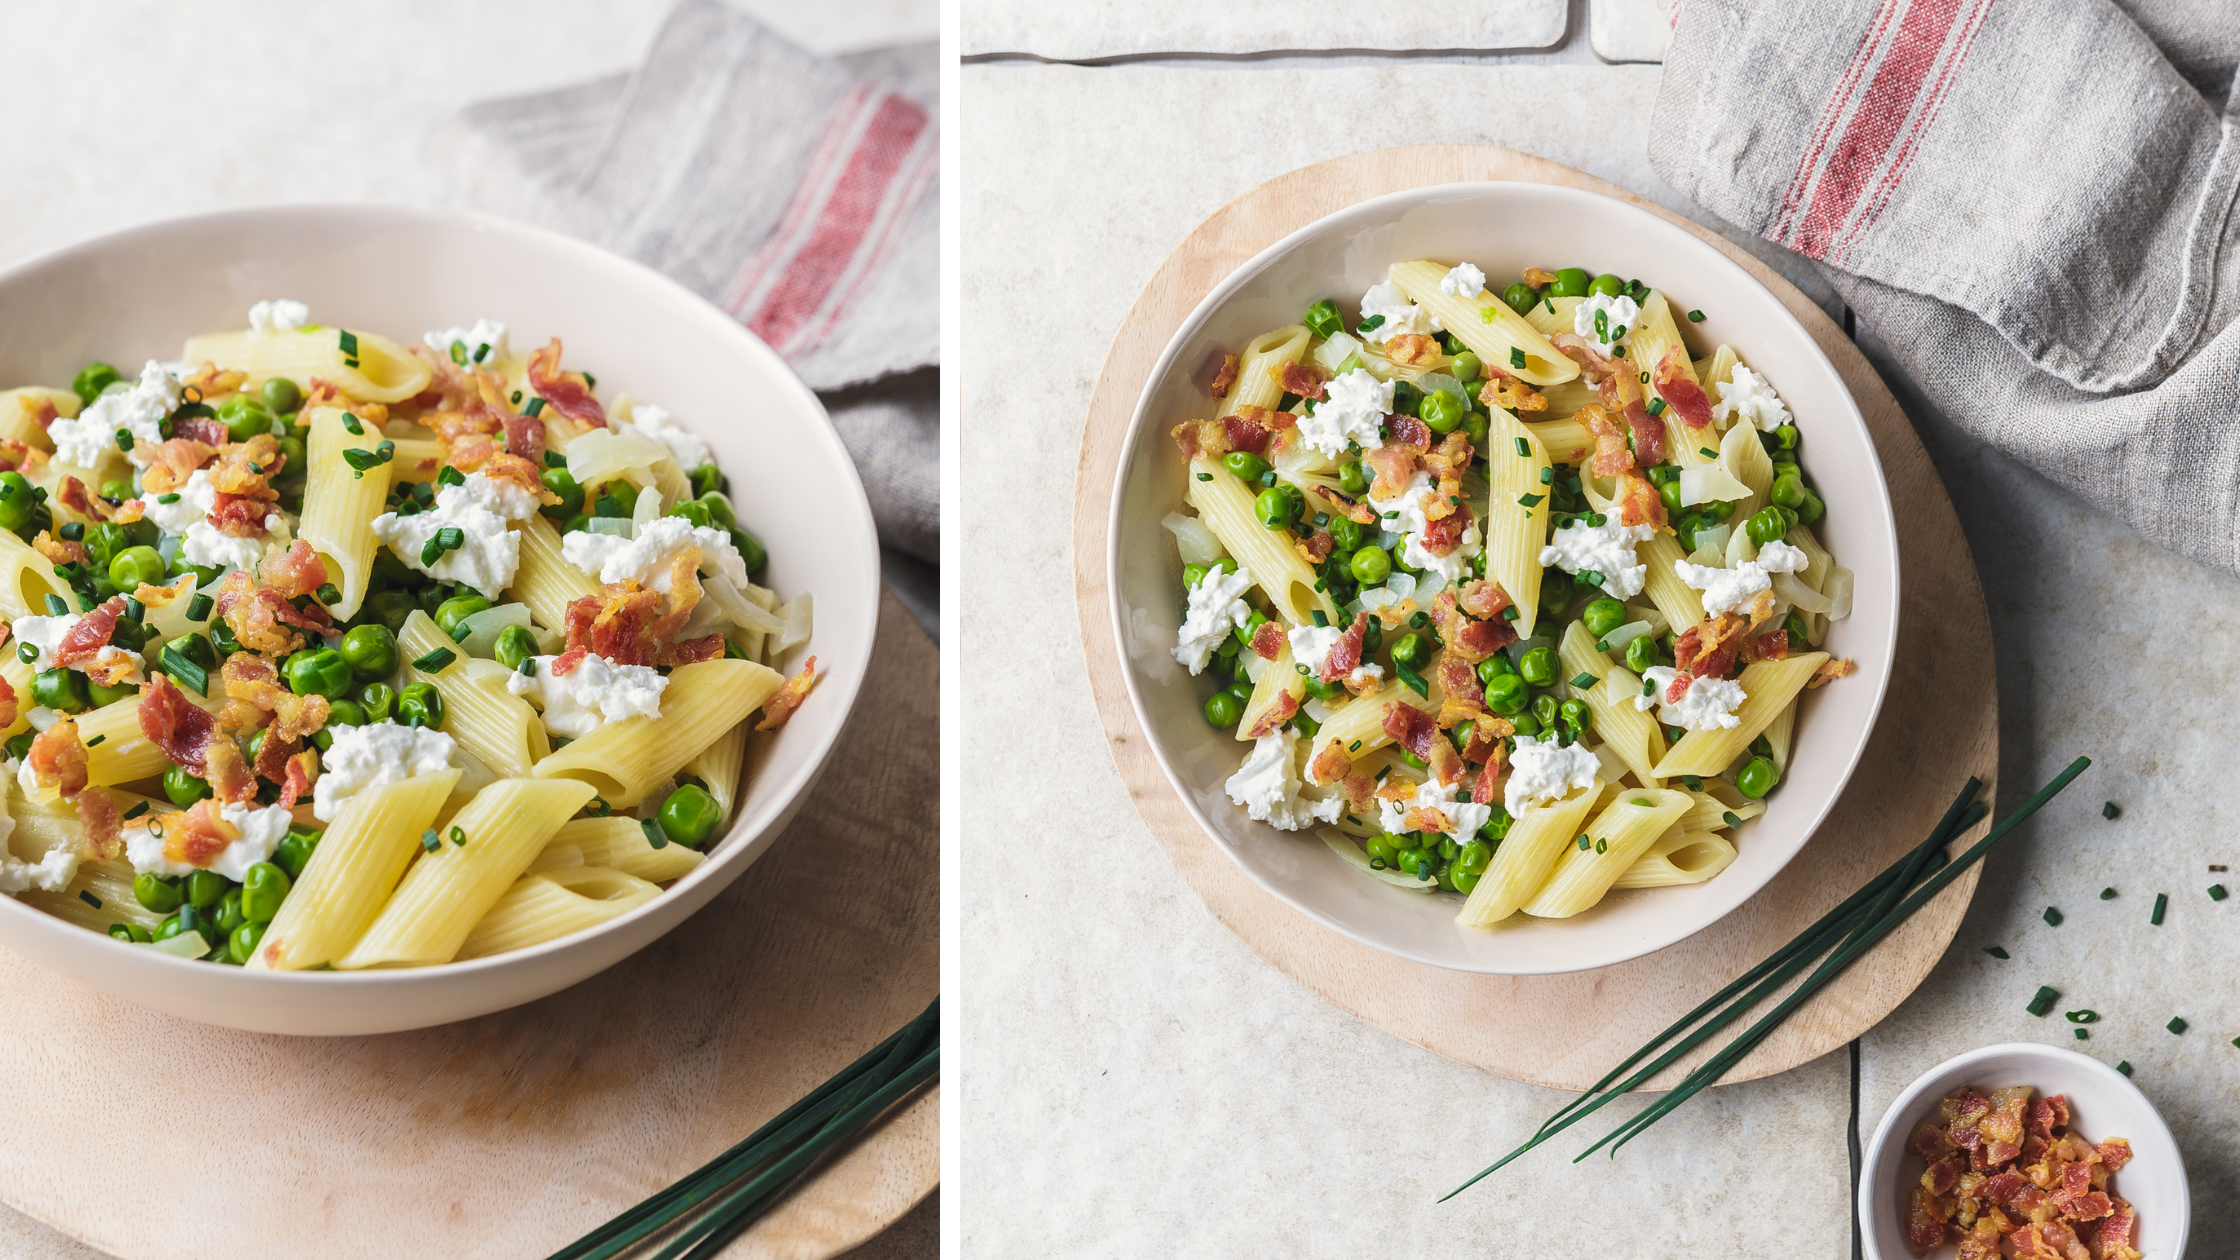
[510, 1135]
[1939, 720]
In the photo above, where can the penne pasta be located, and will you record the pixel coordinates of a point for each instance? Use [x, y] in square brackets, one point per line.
[1654, 339]
[718, 764]
[495, 725]
[1225, 505]
[623, 761]
[547, 582]
[1745, 458]
[1485, 324]
[1566, 440]
[1358, 724]
[1632, 733]
[358, 861]
[26, 579]
[1679, 857]
[619, 843]
[1681, 604]
[544, 907]
[1536, 841]
[340, 502]
[1258, 365]
[1768, 687]
[1616, 839]
[381, 371]
[1516, 514]
[21, 409]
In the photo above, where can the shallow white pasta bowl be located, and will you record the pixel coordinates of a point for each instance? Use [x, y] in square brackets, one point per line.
[138, 294]
[1501, 227]
[2103, 1104]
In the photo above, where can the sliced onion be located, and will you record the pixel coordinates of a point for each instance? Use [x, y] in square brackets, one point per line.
[1627, 633]
[1335, 351]
[1839, 593]
[1614, 766]
[1710, 483]
[605, 454]
[1429, 585]
[1440, 380]
[484, 627]
[1740, 548]
[1715, 537]
[797, 618]
[185, 945]
[1789, 588]
[619, 526]
[1298, 460]
[1359, 861]
[1191, 537]
[741, 609]
[1649, 614]
[648, 507]
[1317, 708]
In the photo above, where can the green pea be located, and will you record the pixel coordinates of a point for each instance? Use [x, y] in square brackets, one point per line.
[690, 815]
[693, 510]
[1475, 426]
[1442, 411]
[1193, 576]
[371, 652]
[228, 915]
[1556, 591]
[91, 380]
[515, 644]
[1794, 624]
[242, 945]
[420, 705]
[346, 713]
[1577, 715]
[392, 572]
[1570, 282]
[244, 417]
[63, 690]
[1246, 466]
[1506, 695]
[1520, 297]
[263, 891]
[1346, 532]
[431, 597]
[1240, 690]
[282, 395]
[1641, 654]
[1411, 650]
[253, 745]
[378, 700]
[625, 495]
[318, 671]
[1466, 366]
[1687, 528]
[1421, 863]
[137, 566]
[1493, 667]
[295, 850]
[1322, 319]
[1811, 509]
[1788, 491]
[1757, 778]
[1352, 478]
[205, 887]
[1769, 523]
[130, 932]
[1223, 710]
[1382, 849]
[104, 541]
[1470, 866]
[751, 554]
[1545, 710]
[103, 696]
[1602, 616]
[1538, 666]
[1661, 474]
[117, 489]
[155, 893]
[387, 610]
[184, 789]
[457, 609]
[18, 502]
[1607, 285]
[558, 481]
[168, 928]
[1785, 437]
[708, 479]
[1243, 634]
[1274, 508]
[1411, 760]
[1717, 510]
[1321, 690]
[1371, 565]
[1670, 493]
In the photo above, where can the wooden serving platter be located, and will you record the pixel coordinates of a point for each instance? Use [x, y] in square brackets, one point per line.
[511, 1135]
[1939, 720]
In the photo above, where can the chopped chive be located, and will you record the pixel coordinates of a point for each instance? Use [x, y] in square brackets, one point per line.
[1648, 688]
[2082, 1017]
[1551, 303]
[28, 653]
[459, 353]
[2176, 1025]
[2082, 1034]
[96, 740]
[1695, 317]
[1205, 476]
[1731, 818]
[516, 398]
[482, 352]
[168, 498]
[1524, 448]
[656, 837]
[1617, 352]
[2125, 1065]
[1530, 500]
[1355, 746]
[430, 841]
[75, 531]
[535, 407]
[1547, 476]
[1510, 613]
[88, 898]
[451, 477]
[328, 594]
[348, 342]
[1413, 679]
[449, 538]
[1694, 784]
[1516, 357]
[1707, 452]
[2109, 811]
[1319, 618]
[86, 602]
[55, 606]
[1592, 577]
[435, 660]
[1997, 952]
[134, 610]
[350, 422]
[1655, 407]
[458, 837]
[554, 459]
[2161, 903]
[2042, 1003]
[136, 811]
[124, 439]
[1583, 842]
[1584, 681]
[2217, 892]
[528, 667]
[2052, 917]
[2107, 894]
[198, 608]
[185, 671]
[1602, 845]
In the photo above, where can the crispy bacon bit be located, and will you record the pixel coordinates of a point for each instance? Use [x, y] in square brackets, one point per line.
[1943, 1175]
[199, 835]
[90, 635]
[202, 430]
[1413, 349]
[1196, 438]
[1449, 460]
[1395, 466]
[296, 571]
[1973, 1181]
[1593, 363]
[1639, 503]
[525, 438]
[59, 550]
[2048, 1114]
[1285, 708]
[97, 813]
[1481, 598]
[7, 703]
[1331, 763]
[1488, 787]
[1708, 649]
[74, 496]
[1832, 669]
[1410, 727]
[1344, 505]
[175, 724]
[17, 455]
[1924, 1222]
[1538, 277]
[253, 692]
[1268, 640]
[2115, 1152]
[174, 461]
[240, 517]
[58, 761]
[1622, 397]
[274, 752]
[1675, 379]
[1460, 699]
[1245, 431]
[209, 380]
[1485, 746]
[43, 414]
[1345, 654]
[1428, 818]
[1504, 390]
[1224, 376]
[564, 392]
[1441, 535]
[1485, 637]
[1316, 547]
[1407, 431]
[778, 709]
[1612, 453]
[1301, 379]
[633, 626]
[1766, 647]
[502, 466]
[253, 615]
[247, 468]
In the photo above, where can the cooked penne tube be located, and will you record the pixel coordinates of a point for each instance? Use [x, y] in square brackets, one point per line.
[1630, 732]
[1677, 857]
[1517, 513]
[1769, 688]
[623, 761]
[1225, 505]
[350, 876]
[340, 502]
[1616, 839]
[492, 723]
[21, 409]
[1681, 604]
[617, 842]
[1536, 841]
[547, 906]
[1485, 324]
[1655, 337]
[26, 579]
[1263, 357]
[381, 371]
[718, 764]
[546, 582]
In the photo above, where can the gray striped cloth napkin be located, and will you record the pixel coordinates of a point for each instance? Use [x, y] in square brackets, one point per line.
[795, 191]
[2031, 204]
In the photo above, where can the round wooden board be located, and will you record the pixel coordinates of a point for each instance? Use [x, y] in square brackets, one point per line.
[513, 1134]
[1939, 721]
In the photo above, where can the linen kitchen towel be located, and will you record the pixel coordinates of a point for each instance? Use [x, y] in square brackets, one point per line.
[2030, 203]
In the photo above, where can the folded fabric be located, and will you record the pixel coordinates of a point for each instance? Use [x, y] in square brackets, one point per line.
[795, 191]
[2028, 203]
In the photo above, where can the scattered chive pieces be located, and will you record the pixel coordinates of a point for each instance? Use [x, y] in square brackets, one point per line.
[2217, 892]
[86, 602]
[2176, 1025]
[2052, 917]
[1602, 845]
[171, 497]
[449, 538]
[516, 399]
[2107, 894]
[1205, 476]
[1707, 452]
[1695, 317]
[535, 407]
[348, 342]
[1585, 680]
[1694, 784]
[1510, 613]
[1731, 818]
[1582, 842]
[1524, 448]
[96, 740]
[451, 477]
[124, 439]
[185, 671]
[2236, 1041]
[430, 841]
[459, 837]
[2125, 1065]
[88, 898]
[1529, 500]
[328, 593]
[1655, 407]
[1617, 352]
[136, 811]
[1355, 746]
[2161, 903]
[75, 531]
[435, 660]
[654, 835]
[528, 667]
[55, 606]
[1551, 305]
[554, 459]
[2083, 1034]
[350, 422]
[2081, 1017]
[198, 608]
[134, 610]
[1319, 618]
[1997, 952]
[1413, 679]
[2042, 1003]
[1547, 476]
[2109, 811]
[1516, 357]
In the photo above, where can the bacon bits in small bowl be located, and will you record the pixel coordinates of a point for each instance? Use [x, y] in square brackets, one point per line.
[2023, 1150]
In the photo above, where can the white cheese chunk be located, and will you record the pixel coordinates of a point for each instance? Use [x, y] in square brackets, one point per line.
[1216, 607]
[1541, 771]
[372, 756]
[1268, 784]
[595, 692]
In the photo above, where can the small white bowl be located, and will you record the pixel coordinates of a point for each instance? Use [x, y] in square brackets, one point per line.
[2103, 1104]
[138, 294]
[1502, 227]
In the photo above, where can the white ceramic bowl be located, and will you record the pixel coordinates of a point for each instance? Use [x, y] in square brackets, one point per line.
[1502, 227]
[2103, 1104]
[138, 294]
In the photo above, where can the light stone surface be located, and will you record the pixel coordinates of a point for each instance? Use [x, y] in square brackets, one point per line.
[1139, 1082]
[1630, 30]
[132, 110]
[1079, 30]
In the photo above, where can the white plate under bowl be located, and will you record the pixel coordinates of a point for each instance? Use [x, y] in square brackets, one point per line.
[138, 294]
[2103, 1104]
[1502, 227]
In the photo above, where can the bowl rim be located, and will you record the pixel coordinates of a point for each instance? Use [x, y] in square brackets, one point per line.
[1872, 1154]
[741, 843]
[1117, 612]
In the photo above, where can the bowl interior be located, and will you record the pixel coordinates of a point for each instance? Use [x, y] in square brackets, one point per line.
[1502, 227]
[2103, 1104]
[138, 294]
